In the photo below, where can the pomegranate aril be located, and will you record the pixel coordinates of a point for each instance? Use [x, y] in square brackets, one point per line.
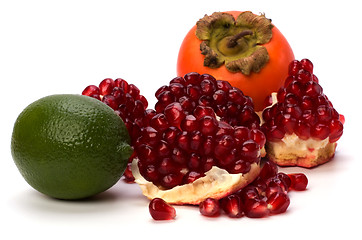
[241, 134]
[194, 92]
[249, 192]
[210, 207]
[191, 176]
[150, 136]
[121, 83]
[224, 145]
[278, 202]
[165, 98]
[180, 80]
[294, 67]
[277, 182]
[194, 161]
[192, 78]
[179, 156]
[174, 113]
[306, 103]
[170, 135]
[232, 206]
[166, 166]
[239, 166]
[159, 122]
[162, 149]
[208, 163]
[307, 65]
[160, 210]
[187, 104]
[226, 129]
[303, 76]
[183, 141]
[110, 101]
[207, 87]
[172, 180]
[146, 154]
[269, 169]
[162, 89]
[256, 208]
[285, 179]
[196, 140]
[91, 90]
[219, 97]
[106, 86]
[189, 123]
[313, 89]
[250, 151]
[208, 125]
[320, 131]
[177, 89]
[336, 128]
[299, 181]
[302, 130]
[208, 146]
[270, 190]
[324, 113]
[127, 175]
[202, 111]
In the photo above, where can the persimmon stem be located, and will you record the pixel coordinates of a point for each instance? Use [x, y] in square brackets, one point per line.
[233, 41]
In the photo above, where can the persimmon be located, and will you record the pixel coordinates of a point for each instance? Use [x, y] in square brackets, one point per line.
[245, 49]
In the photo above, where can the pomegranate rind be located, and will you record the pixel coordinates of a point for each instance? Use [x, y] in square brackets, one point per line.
[217, 183]
[293, 151]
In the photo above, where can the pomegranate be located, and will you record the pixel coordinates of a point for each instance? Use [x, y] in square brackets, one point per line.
[126, 101]
[203, 140]
[301, 127]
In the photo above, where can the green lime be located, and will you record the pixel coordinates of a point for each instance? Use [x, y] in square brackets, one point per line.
[70, 146]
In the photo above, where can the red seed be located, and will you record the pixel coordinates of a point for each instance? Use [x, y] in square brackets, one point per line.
[269, 169]
[232, 206]
[160, 210]
[91, 90]
[106, 86]
[210, 207]
[278, 202]
[256, 208]
[299, 181]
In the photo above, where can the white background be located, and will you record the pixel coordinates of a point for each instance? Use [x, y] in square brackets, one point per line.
[49, 47]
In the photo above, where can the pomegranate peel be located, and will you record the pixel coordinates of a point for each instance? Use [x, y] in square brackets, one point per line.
[292, 151]
[217, 183]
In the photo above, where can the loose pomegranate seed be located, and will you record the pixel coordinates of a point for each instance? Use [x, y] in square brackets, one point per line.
[210, 207]
[232, 206]
[160, 210]
[299, 181]
[278, 202]
[256, 208]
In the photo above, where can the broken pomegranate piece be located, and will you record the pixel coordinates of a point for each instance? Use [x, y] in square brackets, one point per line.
[203, 141]
[302, 126]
